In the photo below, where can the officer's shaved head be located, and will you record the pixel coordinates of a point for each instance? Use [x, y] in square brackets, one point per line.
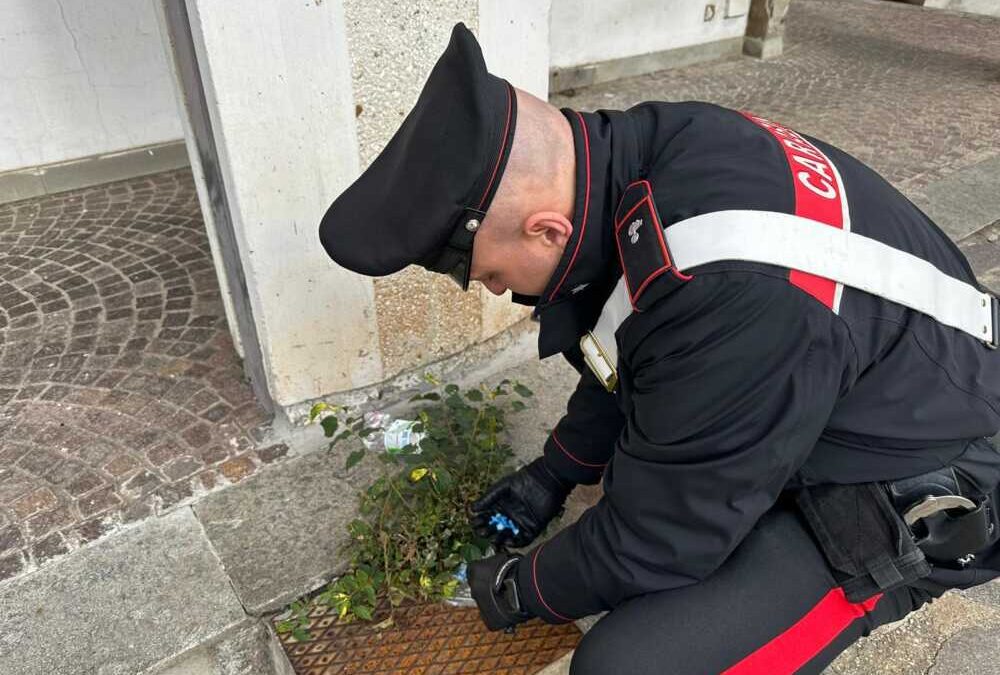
[530, 218]
[541, 164]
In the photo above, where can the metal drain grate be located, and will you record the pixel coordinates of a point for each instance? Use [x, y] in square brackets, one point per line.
[426, 640]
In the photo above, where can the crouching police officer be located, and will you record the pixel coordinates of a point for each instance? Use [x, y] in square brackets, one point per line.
[788, 372]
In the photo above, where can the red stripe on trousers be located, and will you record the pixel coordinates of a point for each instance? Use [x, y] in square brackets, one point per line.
[807, 637]
[818, 196]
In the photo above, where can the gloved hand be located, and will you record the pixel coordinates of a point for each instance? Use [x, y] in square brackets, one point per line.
[530, 497]
[493, 583]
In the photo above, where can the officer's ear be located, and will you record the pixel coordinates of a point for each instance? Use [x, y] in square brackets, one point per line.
[548, 228]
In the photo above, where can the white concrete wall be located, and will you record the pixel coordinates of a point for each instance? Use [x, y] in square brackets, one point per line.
[987, 7]
[80, 78]
[591, 31]
[514, 35]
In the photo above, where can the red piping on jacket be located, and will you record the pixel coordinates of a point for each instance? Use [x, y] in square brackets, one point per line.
[538, 592]
[586, 207]
[572, 457]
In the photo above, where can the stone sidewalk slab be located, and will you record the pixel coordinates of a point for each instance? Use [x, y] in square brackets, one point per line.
[279, 534]
[250, 648]
[120, 606]
[965, 201]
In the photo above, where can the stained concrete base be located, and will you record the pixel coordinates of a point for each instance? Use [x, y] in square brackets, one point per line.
[78, 173]
[573, 77]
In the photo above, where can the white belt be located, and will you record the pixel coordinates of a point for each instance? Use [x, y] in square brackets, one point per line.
[809, 246]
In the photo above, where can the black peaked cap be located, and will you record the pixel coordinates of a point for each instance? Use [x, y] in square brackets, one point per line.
[441, 168]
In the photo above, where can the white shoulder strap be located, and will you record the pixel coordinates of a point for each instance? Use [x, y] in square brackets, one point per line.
[809, 246]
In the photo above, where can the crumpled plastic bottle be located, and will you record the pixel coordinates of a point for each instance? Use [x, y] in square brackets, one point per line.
[393, 435]
[462, 596]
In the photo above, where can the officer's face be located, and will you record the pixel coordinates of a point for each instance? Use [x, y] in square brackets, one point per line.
[519, 257]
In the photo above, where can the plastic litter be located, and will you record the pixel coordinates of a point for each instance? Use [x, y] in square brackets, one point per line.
[500, 522]
[463, 594]
[393, 434]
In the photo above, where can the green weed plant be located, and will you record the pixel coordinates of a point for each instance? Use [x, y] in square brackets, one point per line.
[413, 533]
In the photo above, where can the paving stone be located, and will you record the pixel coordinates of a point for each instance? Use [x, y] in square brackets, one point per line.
[181, 467]
[166, 586]
[40, 500]
[278, 533]
[965, 201]
[85, 482]
[11, 565]
[141, 484]
[90, 530]
[99, 501]
[272, 453]
[249, 649]
[121, 465]
[13, 484]
[49, 548]
[40, 525]
[10, 538]
[173, 494]
[237, 469]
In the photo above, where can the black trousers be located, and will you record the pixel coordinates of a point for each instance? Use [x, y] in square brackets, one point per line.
[773, 607]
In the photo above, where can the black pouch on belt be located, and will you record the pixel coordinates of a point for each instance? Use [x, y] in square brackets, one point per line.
[950, 517]
[865, 541]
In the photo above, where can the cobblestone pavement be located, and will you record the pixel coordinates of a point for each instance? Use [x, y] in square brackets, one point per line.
[120, 388]
[913, 93]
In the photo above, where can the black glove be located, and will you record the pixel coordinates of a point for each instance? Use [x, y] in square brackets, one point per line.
[530, 497]
[493, 583]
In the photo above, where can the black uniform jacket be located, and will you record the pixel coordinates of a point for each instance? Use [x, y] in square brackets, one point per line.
[738, 380]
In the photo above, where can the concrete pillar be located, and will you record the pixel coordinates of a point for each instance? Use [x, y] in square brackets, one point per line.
[514, 36]
[298, 99]
[765, 28]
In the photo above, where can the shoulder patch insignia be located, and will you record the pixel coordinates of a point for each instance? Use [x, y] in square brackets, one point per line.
[642, 249]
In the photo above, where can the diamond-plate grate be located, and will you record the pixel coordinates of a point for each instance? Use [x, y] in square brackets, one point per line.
[426, 639]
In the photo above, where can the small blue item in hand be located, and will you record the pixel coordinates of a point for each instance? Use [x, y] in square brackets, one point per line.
[500, 522]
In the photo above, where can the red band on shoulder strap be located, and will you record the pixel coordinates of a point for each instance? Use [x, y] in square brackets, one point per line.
[806, 638]
[819, 195]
